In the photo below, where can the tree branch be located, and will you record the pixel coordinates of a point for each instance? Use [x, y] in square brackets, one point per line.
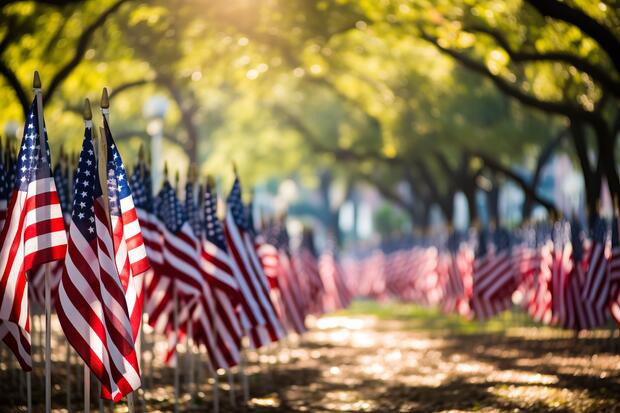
[496, 166]
[123, 87]
[80, 49]
[19, 91]
[597, 73]
[562, 11]
[561, 108]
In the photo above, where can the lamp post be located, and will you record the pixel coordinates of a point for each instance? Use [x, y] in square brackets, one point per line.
[10, 130]
[155, 110]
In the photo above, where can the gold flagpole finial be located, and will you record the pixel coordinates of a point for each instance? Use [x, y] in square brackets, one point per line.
[102, 162]
[105, 99]
[87, 113]
[36, 81]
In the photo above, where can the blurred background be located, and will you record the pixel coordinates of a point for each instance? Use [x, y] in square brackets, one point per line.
[370, 120]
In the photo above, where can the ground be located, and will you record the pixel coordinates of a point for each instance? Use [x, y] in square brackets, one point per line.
[395, 358]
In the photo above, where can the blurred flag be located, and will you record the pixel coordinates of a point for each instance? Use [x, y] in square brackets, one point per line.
[262, 323]
[216, 263]
[129, 249]
[596, 289]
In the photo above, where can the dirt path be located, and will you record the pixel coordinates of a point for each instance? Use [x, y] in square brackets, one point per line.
[360, 363]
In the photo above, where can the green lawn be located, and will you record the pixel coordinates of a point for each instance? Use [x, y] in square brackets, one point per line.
[416, 317]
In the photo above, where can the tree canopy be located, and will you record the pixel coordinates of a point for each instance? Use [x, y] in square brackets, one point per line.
[420, 99]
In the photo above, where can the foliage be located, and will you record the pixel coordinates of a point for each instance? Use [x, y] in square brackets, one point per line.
[429, 95]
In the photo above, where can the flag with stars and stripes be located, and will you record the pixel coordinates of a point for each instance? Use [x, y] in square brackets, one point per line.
[157, 298]
[306, 263]
[90, 300]
[192, 209]
[33, 234]
[596, 288]
[216, 263]
[129, 249]
[262, 324]
[37, 276]
[493, 278]
[182, 264]
[4, 191]
[613, 269]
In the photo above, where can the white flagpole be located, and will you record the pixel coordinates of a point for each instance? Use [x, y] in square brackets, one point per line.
[29, 390]
[244, 376]
[216, 387]
[141, 346]
[190, 349]
[231, 386]
[86, 389]
[68, 373]
[175, 309]
[36, 85]
[29, 385]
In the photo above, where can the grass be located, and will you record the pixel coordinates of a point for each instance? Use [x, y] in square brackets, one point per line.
[415, 317]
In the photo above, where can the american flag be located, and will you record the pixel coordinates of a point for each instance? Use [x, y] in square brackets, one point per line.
[157, 286]
[285, 293]
[262, 321]
[90, 301]
[182, 263]
[454, 289]
[129, 249]
[336, 295]
[37, 276]
[4, 190]
[203, 313]
[578, 313]
[33, 234]
[493, 279]
[306, 263]
[613, 269]
[216, 263]
[596, 288]
[181, 247]
[193, 210]
[541, 305]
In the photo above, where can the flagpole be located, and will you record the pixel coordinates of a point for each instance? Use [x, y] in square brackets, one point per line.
[86, 389]
[190, 349]
[68, 373]
[29, 387]
[216, 388]
[231, 384]
[175, 314]
[242, 372]
[105, 111]
[29, 390]
[36, 85]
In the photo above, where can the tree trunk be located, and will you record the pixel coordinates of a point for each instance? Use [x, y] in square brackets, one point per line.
[591, 177]
[543, 159]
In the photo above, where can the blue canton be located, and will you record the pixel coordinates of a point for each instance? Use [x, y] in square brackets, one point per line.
[213, 232]
[30, 164]
[171, 211]
[118, 186]
[86, 189]
[236, 206]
